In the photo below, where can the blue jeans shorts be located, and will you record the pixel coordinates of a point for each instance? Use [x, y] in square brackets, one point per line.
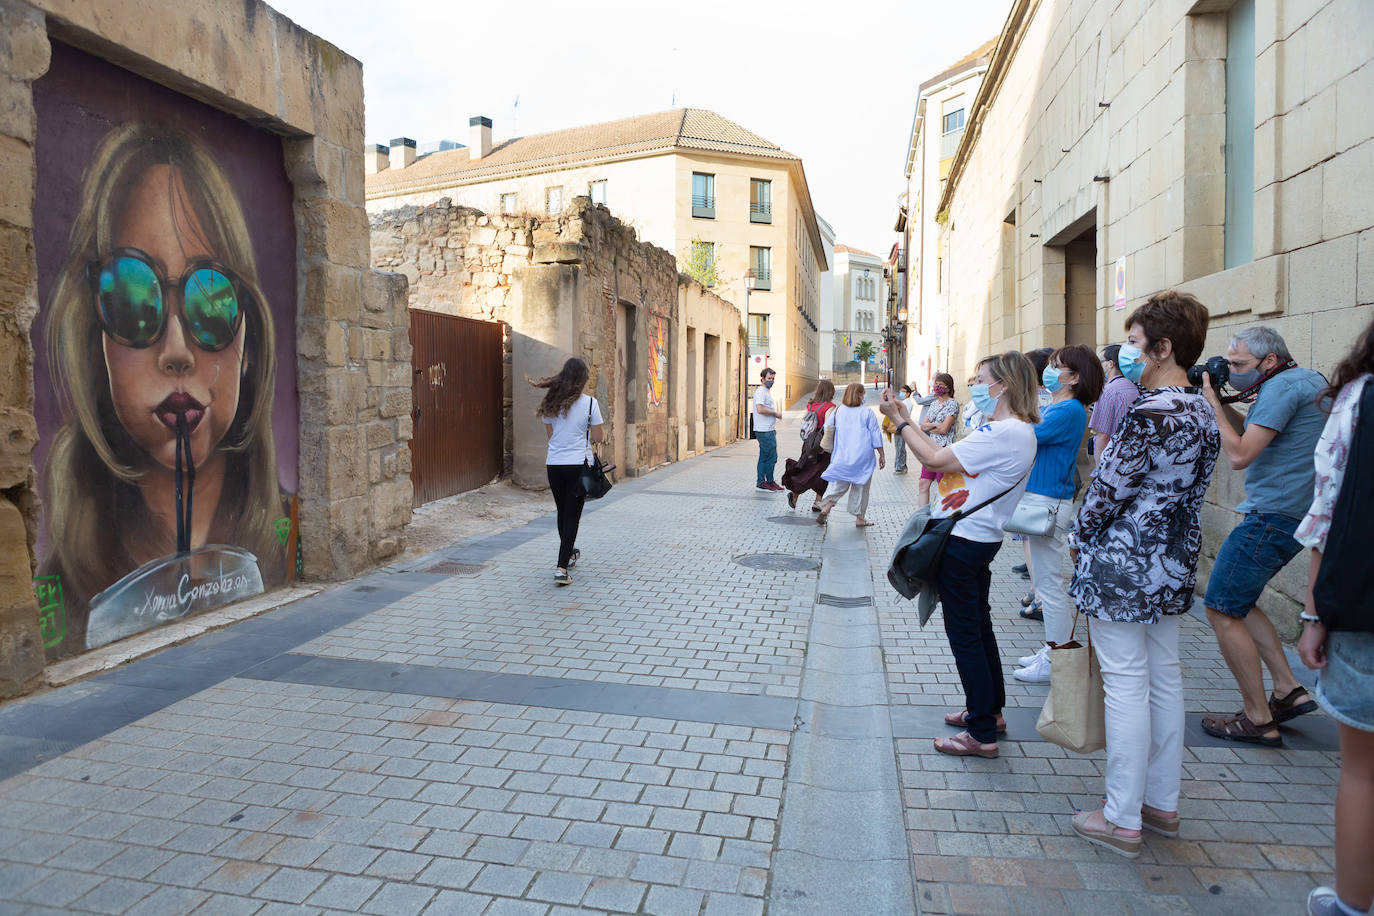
[1345, 687]
[1249, 557]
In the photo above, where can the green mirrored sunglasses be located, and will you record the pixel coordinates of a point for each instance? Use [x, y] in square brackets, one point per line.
[130, 292]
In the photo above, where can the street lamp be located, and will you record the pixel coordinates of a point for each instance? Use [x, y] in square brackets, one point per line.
[749, 333]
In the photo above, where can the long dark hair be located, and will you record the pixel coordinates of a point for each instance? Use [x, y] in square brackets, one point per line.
[1357, 362]
[564, 388]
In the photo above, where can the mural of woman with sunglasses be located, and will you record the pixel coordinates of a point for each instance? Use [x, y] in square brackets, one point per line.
[160, 490]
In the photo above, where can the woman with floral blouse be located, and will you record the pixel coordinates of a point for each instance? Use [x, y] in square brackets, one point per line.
[1136, 543]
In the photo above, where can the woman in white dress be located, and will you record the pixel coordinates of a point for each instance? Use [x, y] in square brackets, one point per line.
[858, 439]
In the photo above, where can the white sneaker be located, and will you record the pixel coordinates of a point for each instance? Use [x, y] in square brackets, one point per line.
[1025, 660]
[1037, 672]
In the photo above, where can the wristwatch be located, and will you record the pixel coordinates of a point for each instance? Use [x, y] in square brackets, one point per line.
[901, 426]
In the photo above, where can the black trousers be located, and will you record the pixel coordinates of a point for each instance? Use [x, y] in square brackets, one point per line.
[965, 578]
[565, 482]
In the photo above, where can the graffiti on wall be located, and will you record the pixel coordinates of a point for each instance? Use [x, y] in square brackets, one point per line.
[658, 358]
[165, 376]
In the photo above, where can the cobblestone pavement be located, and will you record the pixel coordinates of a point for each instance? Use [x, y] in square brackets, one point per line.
[658, 738]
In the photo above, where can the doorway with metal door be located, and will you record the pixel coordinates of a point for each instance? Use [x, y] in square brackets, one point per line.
[456, 404]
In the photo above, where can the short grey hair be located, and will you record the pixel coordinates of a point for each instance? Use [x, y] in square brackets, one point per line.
[1261, 342]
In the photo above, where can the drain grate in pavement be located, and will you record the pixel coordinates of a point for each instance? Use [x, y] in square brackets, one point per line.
[835, 601]
[777, 562]
[367, 588]
[794, 520]
[454, 568]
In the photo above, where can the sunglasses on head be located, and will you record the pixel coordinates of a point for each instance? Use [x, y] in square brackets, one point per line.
[130, 290]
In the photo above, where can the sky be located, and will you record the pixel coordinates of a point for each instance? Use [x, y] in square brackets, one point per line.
[834, 83]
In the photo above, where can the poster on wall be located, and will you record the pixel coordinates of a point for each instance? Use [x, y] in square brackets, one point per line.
[165, 376]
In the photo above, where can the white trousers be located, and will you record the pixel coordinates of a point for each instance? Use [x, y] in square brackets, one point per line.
[1047, 569]
[1143, 682]
[858, 495]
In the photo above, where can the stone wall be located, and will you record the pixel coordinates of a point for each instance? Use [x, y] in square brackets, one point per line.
[580, 283]
[1109, 119]
[352, 353]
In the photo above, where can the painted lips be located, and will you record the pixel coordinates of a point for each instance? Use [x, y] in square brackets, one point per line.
[179, 405]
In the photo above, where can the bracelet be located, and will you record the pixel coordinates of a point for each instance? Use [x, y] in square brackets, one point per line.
[1309, 618]
[901, 426]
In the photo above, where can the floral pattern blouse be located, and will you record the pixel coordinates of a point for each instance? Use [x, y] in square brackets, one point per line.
[1140, 531]
[937, 412]
[1333, 453]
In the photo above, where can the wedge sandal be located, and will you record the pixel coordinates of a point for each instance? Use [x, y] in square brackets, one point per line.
[1128, 846]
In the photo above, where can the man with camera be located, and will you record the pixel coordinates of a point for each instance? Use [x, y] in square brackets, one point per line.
[1274, 444]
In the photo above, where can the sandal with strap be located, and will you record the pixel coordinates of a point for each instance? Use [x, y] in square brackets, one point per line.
[1240, 728]
[960, 720]
[965, 745]
[1290, 707]
[1128, 846]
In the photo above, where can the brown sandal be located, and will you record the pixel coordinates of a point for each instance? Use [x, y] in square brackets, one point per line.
[965, 745]
[1240, 728]
[960, 720]
[1289, 707]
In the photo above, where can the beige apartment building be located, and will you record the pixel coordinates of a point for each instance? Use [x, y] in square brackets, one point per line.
[860, 310]
[1114, 149]
[942, 105]
[687, 180]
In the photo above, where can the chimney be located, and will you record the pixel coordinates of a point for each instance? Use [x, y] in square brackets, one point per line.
[479, 137]
[402, 152]
[377, 159]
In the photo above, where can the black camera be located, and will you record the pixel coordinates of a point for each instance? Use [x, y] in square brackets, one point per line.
[1217, 367]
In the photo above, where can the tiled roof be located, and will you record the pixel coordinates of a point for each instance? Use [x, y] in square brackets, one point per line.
[982, 50]
[845, 249]
[679, 128]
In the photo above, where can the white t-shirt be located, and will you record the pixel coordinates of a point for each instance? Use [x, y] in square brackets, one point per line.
[763, 423]
[568, 444]
[994, 456]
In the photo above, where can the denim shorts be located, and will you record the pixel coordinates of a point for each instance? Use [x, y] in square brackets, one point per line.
[1345, 687]
[1249, 557]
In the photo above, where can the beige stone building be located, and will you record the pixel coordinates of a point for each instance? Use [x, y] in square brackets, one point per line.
[684, 179]
[942, 105]
[1113, 149]
[860, 290]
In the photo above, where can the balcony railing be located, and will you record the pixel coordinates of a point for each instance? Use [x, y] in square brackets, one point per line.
[949, 143]
[760, 211]
[758, 343]
[703, 206]
[763, 278]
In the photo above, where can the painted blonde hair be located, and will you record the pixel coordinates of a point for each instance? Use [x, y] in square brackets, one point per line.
[98, 526]
[1017, 375]
[853, 395]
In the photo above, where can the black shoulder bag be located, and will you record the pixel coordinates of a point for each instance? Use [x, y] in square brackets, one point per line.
[1344, 590]
[595, 477]
[920, 548]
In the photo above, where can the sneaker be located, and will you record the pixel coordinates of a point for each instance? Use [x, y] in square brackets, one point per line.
[1020, 568]
[761, 485]
[561, 577]
[775, 486]
[1324, 902]
[1037, 672]
[572, 561]
[1025, 660]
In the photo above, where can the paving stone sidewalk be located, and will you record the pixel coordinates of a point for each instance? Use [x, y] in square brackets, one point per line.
[461, 736]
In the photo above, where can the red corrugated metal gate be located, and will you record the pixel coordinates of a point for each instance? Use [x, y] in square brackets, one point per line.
[457, 441]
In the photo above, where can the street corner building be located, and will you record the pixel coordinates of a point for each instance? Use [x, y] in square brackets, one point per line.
[1097, 152]
[189, 417]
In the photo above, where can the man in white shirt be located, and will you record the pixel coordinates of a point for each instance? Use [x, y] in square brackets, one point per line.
[765, 430]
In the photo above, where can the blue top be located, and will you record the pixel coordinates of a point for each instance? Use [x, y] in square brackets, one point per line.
[1058, 436]
[1281, 478]
[857, 434]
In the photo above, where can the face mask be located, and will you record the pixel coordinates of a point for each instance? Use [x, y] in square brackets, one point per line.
[1050, 378]
[1243, 380]
[1131, 362]
[939, 390]
[768, 383]
[985, 402]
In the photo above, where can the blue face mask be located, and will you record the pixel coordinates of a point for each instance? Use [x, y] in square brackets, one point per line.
[1050, 378]
[1131, 362]
[768, 383]
[985, 402]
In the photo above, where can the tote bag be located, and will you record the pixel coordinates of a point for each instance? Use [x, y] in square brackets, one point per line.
[1074, 715]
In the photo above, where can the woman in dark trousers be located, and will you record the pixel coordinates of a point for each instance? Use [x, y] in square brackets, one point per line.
[804, 472]
[991, 463]
[572, 421]
[1338, 623]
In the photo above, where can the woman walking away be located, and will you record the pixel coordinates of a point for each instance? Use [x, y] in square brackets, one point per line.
[857, 439]
[1135, 547]
[1338, 625]
[937, 421]
[804, 472]
[991, 463]
[1074, 379]
[572, 421]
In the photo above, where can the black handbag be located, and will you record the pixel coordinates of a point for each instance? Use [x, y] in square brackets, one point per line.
[915, 564]
[595, 477]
